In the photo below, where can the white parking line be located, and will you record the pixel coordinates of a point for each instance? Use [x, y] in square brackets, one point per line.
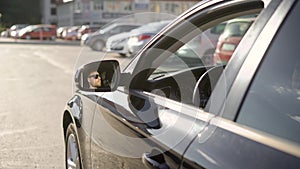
[16, 131]
[54, 63]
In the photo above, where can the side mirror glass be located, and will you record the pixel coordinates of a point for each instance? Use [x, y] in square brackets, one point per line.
[100, 76]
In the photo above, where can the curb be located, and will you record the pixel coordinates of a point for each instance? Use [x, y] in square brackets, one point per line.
[39, 42]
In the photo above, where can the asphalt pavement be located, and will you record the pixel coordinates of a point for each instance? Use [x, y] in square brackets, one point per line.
[36, 82]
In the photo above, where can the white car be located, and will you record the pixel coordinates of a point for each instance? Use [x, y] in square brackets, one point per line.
[139, 37]
[84, 38]
[118, 43]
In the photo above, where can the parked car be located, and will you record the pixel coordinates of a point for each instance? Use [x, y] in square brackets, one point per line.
[84, 29]
[5, 33]
[42, 31]
[140, 36]
[118, 43]
[84, 38]
[60, 30]
[97, 40]
[165, 110]
[14, 30]
[231, 37]
[70, 33]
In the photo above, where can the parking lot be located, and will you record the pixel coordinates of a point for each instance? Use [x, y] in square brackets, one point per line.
[36, 82]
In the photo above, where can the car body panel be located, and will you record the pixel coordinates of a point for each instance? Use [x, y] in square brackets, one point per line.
[38, 32]
[140, 36]
[118, 43]
[77, 106]
[144, 122]
[241, 145]
[235, 150]
[127, 127]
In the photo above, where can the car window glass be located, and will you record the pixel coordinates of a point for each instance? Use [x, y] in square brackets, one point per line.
[46, 29]
[203, 57]
[272, 102]
[115, 30]
[210, 47]
[127, 28]
[37, 30]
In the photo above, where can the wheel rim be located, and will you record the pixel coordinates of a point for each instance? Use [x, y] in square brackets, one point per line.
[98, 45]
[72, 153]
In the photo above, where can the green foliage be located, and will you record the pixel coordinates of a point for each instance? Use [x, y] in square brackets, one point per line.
[20, 12]
[2, 28]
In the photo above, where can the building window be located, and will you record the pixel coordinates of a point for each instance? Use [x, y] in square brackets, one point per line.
[98, 5]
[53, 11]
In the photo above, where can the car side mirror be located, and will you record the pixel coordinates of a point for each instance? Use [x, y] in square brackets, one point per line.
[100, 76]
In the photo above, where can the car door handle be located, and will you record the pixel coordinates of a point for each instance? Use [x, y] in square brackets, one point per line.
[154, 162]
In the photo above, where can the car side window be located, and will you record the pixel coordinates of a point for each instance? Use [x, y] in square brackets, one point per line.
[128, 28]
[37, 30]
[272, 103]
[47, 29]
[196, 66]
[116, 30]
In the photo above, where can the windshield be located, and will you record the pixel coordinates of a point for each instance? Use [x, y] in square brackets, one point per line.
[107, 27]
[152, 27]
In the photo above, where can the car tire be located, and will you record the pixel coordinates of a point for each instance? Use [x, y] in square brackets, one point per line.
[123, 55]
[72, 153]
[53, 38]
[98, 45]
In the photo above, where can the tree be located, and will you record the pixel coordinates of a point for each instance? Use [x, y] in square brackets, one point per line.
[20, 11]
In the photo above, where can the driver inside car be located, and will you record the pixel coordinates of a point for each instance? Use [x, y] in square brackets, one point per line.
[94, 80]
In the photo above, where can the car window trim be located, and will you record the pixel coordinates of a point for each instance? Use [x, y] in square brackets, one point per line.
[234, 8]
[264, 138]
[248, 69]
[219, 94]
[179, 106]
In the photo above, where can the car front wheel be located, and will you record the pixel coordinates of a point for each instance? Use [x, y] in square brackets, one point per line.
[98, 45]
[72, 149]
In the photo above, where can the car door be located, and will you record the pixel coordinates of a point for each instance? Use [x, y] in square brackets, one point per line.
[82, 106]
[36, 33]
[258, 123]
[152, 118]
[47, 32]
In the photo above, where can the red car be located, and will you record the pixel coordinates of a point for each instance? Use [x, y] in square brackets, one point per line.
[38, 32]
[230, 38]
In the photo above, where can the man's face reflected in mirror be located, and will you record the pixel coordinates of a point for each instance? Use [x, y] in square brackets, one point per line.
[94, 80]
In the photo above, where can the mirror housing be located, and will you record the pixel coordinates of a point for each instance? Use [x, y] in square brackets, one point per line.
[109, 71]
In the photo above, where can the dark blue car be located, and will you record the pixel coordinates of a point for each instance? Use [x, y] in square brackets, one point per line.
[169, 108]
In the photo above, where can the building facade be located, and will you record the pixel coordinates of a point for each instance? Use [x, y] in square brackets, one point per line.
[99, 12]
[49, 12]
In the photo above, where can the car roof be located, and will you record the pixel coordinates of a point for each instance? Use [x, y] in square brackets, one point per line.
[151, 27]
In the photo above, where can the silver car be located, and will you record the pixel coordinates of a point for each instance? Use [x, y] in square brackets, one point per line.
[98, 39]
[140, 36]
[118, 43]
